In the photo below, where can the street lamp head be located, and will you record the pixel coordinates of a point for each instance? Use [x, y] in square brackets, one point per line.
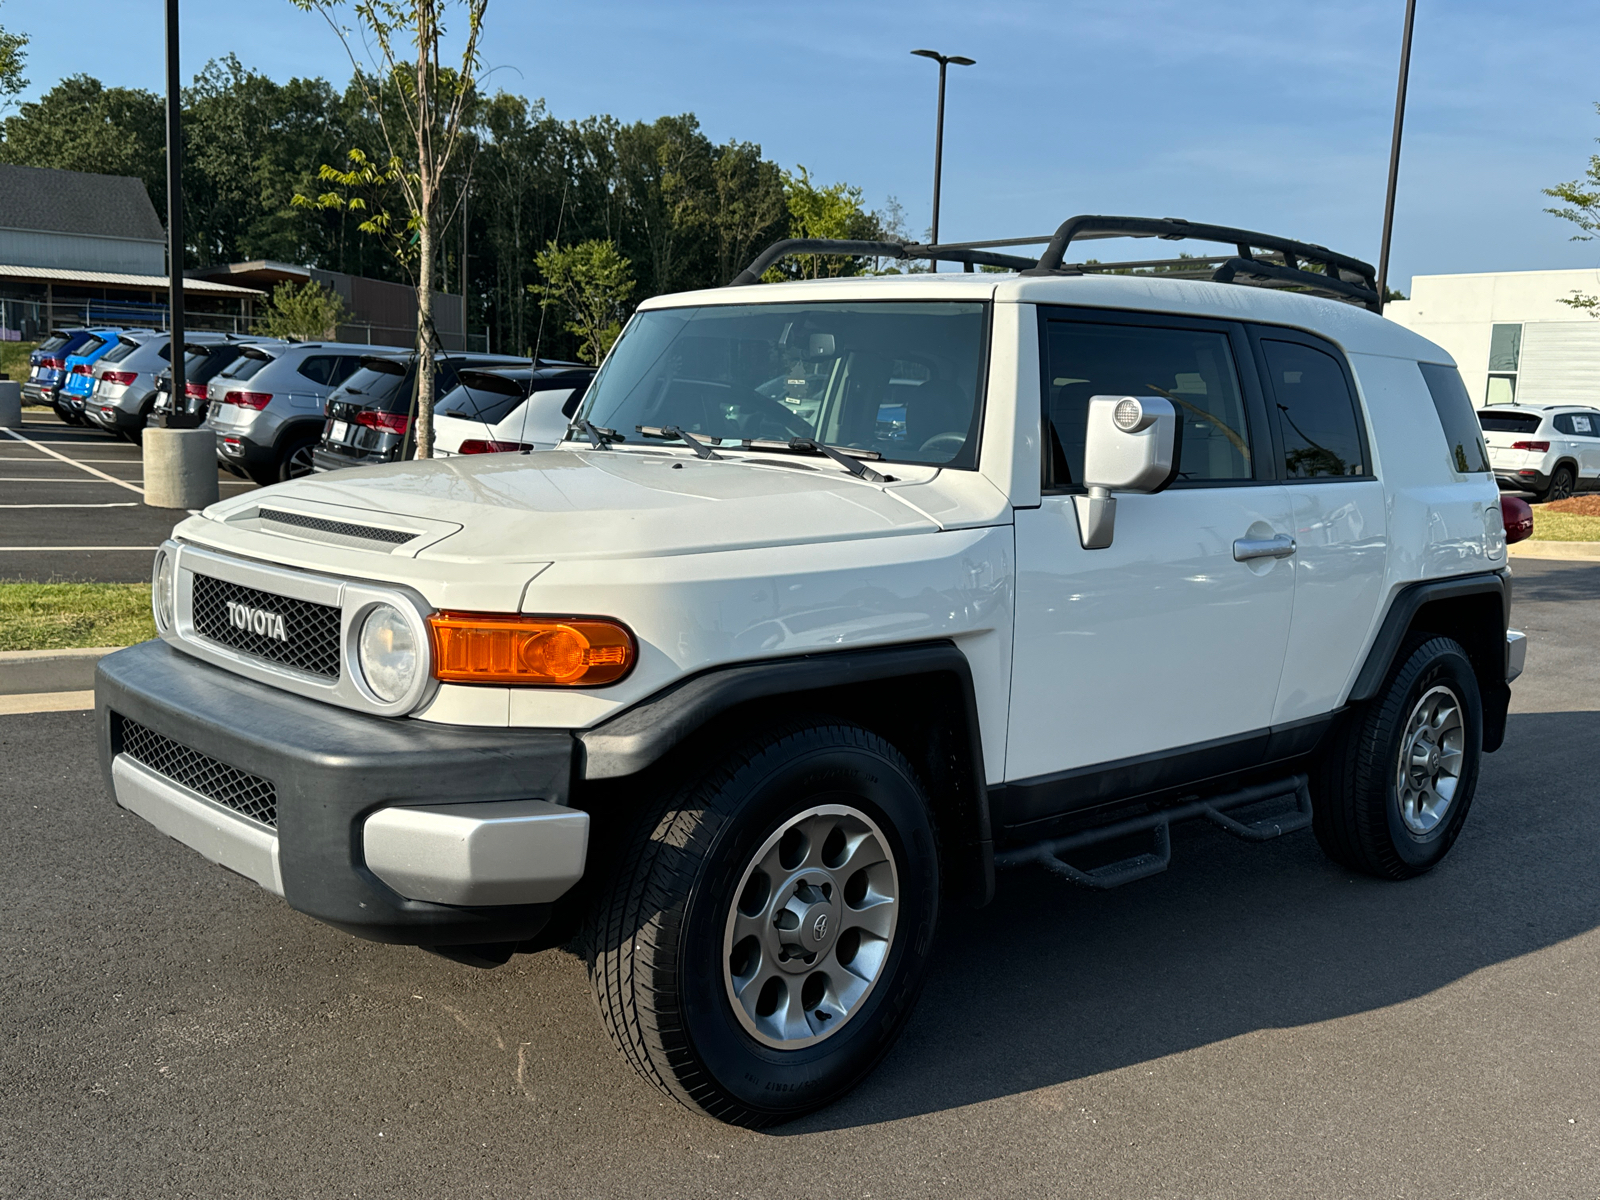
[961, 60]
[933, 54]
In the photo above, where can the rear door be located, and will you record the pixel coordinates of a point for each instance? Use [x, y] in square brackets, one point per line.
[1585, 437]
[1155, 660]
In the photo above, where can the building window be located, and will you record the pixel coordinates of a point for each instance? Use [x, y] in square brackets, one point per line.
[1505, 353]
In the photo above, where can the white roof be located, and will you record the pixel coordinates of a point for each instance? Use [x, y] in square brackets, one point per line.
[113, 279]
[1353, 328]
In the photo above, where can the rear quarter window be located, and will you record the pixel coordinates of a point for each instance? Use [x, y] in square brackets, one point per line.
[1462, 433]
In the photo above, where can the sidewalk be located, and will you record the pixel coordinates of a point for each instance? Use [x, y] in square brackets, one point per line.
[33, 681]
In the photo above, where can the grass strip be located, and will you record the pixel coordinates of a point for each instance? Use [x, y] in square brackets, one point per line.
[1564, 526]
[65, 616]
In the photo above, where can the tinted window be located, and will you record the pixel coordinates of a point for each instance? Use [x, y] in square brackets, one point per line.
[1192, 368]
[120, 351]
[1562, 422]
[1508, 422]
[377, 389]
[897, 378]
[319, 368]
[347, 366]
[55, 341]
[1317, 414]
[243, 367]
[90, 345]
[480, 404]
[1461, 429]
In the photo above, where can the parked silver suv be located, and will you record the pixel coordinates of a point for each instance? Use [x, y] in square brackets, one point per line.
[266, 407]
[124, 390]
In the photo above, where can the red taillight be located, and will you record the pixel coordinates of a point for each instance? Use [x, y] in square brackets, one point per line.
[1536, 447]
[1517, 517]
[82, 369]
[388, 422]
[486, 446]
[195, 390]
[122, 377]
[255, 400]
[53, 364]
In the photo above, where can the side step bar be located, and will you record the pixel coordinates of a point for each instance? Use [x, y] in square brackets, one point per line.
[1159, 857]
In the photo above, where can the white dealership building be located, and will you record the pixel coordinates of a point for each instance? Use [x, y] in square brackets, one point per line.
[1511, 335]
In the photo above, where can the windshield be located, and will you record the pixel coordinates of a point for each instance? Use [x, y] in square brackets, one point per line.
[243, 367]
[123, 348]
[375, 388]
[898, 378]
[1498, 422]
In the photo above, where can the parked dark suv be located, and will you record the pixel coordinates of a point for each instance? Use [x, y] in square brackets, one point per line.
[201, 361]
[369, 415]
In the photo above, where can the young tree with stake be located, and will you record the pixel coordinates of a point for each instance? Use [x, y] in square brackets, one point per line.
[434, 104]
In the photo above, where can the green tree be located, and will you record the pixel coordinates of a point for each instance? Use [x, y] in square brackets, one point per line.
[13, 56]
[309, 313]
[81, 125]
[1581, 205]
[834, 211]
[589, 284]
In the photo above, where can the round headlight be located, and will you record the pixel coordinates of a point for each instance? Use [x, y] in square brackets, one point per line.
[387, 651]
[161, 593]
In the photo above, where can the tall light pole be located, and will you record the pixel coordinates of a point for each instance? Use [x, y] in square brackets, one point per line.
[944, 60]
[175, 207]
[1394, 155]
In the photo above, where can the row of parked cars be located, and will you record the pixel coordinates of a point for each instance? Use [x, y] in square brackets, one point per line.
[285, 409]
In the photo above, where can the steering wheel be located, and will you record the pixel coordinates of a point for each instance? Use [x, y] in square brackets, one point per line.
[940, 441]
[768, 410]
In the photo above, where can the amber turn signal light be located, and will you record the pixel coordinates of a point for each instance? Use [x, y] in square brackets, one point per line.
[496, 648]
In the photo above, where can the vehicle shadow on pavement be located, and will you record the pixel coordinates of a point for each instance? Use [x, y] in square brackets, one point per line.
[1051, 983]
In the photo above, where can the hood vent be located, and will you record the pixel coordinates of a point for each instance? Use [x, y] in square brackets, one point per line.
[339, 533]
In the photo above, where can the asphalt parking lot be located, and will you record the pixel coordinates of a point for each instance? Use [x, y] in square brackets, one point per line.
[1253, 1023]
[72, 507]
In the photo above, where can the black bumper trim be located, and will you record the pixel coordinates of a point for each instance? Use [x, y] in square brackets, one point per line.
[331, 768]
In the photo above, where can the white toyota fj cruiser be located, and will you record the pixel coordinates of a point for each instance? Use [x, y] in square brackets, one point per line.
[840, 596]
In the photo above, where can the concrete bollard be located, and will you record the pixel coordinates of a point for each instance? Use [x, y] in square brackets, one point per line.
[10, 404]
[180, 468]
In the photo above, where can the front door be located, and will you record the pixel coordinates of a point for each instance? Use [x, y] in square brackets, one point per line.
[1162, 652]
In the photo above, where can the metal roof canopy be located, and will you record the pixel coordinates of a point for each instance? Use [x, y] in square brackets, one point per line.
[1342, 278]
[154, 283]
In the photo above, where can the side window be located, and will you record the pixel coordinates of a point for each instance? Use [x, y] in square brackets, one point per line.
[1562, 422]
[1316, 412]
[318, 368]
[1193, 368]
[1583, 425]
[1462, 432]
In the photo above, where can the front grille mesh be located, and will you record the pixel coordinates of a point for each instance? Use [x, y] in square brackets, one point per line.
[311, 631]
[248, 795]
[370, 533]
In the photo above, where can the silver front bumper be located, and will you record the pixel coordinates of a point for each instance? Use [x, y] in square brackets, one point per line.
[501, 852]
[243, 846]
[1516, 653]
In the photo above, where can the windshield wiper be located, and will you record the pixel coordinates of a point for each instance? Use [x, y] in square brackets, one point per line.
[846, 456]
[670, 432]
[601, 439]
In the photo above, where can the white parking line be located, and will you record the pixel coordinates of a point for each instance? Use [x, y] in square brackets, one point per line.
[118, 504]
[72, 462]
[47, 549]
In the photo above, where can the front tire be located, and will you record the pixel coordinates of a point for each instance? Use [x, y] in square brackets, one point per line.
[769, 925]
[1393, 788]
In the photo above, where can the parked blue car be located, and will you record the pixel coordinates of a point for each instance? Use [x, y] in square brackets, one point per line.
[77, 379]
[48, 364]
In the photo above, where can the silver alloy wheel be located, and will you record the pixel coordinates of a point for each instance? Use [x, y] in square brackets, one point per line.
[299, 462]
[1432, 753]
[810, 927]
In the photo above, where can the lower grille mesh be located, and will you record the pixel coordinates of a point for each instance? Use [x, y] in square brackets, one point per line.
[248, 795]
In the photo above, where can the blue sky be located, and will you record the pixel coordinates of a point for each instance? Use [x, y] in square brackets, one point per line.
[1271, 114]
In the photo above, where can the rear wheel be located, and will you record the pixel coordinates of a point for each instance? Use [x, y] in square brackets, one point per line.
[1393, 789]
[1562, 484]
[296, 460]
[769, 925]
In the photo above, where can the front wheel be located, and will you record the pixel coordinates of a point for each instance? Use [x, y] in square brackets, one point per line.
[1393, 788]
[770, 924]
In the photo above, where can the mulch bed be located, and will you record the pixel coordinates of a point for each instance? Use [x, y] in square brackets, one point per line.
[1583, 506]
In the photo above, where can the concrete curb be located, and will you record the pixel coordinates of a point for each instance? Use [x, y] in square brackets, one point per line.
[1568, 551]
[44, 702]
[25, 673]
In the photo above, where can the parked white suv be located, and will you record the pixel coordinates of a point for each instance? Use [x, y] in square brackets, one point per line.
[841, 597]
[1551, 450]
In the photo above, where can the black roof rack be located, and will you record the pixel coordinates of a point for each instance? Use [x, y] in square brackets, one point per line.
[1283, 266]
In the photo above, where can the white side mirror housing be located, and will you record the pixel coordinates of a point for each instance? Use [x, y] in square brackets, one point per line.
[1131, 444]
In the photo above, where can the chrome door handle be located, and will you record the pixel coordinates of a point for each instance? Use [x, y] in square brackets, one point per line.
[1246, 549]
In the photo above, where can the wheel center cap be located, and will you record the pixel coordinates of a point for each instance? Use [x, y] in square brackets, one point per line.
[808, 921]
